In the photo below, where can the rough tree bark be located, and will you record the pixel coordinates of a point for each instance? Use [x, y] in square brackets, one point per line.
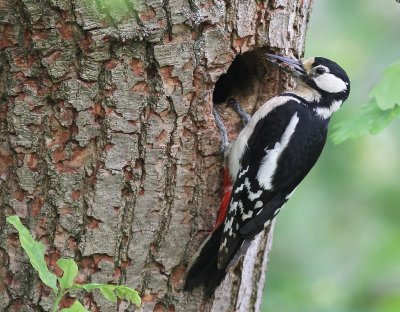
[109, 152]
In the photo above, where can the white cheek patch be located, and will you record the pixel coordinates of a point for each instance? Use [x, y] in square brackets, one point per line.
[330, 83]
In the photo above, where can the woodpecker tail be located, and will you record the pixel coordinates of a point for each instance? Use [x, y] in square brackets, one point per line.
[204, 269]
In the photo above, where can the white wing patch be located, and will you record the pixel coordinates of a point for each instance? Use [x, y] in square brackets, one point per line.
[240, 188]
[258, 204]
[223, 244]
[277, 211]
[290, 194]
[326, 112]
[241, 173]
[228, 224]
[247, 215]
[233, 206]
[270, 160]
[237, 148]
[252, 196]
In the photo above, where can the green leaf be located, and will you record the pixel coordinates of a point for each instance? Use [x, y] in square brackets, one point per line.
[70, 269]
[382, 108]
[372, 119]
[385, 118]
[127, 293]
[76, 307]
[90, 286]
[35, 251]
[387, 91]
[108, 293]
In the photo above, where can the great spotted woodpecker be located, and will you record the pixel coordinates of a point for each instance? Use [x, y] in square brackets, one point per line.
[271, 155]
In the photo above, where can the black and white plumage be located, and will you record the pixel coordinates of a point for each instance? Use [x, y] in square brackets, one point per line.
[269, 158]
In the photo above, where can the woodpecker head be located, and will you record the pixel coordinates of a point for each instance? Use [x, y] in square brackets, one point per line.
[329, 83]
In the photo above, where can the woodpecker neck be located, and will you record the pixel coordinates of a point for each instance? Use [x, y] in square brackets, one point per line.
[325, 112]
[308, 94]
[323, 104]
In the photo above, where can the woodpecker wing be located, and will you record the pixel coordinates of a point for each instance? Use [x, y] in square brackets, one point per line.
[281, 150]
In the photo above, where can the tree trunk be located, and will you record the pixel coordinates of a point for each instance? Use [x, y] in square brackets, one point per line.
[109, 151]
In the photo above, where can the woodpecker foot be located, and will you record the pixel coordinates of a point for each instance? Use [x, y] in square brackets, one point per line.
[222, 130]
[239, 110]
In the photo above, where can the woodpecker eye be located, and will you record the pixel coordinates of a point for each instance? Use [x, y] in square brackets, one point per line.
[320, 70]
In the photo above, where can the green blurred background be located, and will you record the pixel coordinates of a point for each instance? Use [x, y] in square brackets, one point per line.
[337, 241]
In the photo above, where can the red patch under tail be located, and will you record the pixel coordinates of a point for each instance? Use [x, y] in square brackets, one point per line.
[223, 208]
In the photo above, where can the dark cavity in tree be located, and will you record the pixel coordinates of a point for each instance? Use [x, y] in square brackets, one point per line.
[243, 78]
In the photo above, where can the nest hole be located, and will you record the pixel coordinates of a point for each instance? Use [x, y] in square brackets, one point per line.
[247, 80]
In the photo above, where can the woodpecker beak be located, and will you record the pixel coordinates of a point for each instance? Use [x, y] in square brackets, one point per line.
[293, 66]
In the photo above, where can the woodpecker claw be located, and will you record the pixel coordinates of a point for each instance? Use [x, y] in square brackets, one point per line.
[222, 130]
[239, 110]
